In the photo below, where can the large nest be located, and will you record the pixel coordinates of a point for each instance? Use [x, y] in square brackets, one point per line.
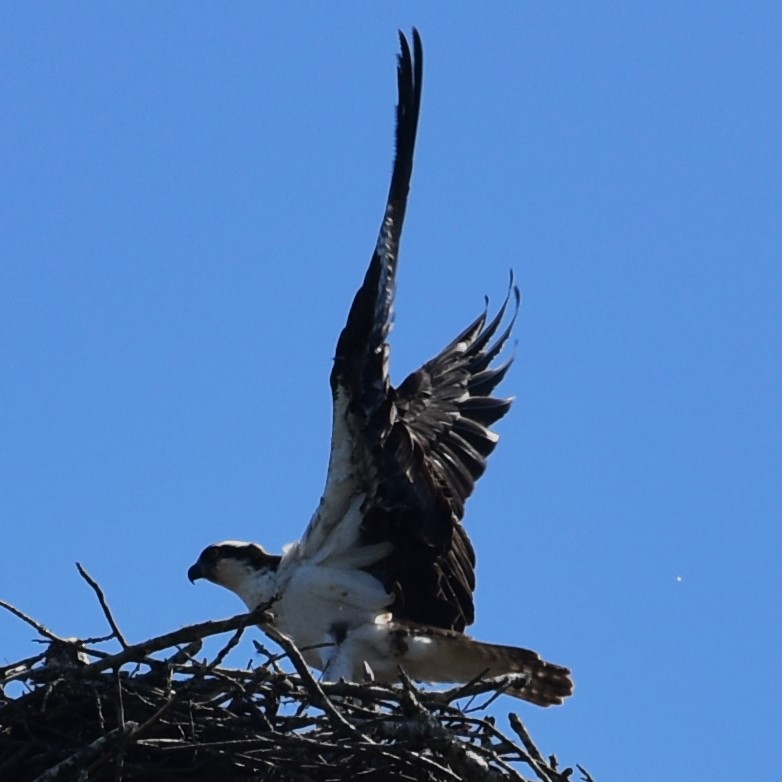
[154, 711]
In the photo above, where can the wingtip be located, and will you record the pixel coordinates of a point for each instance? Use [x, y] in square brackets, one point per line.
[418, 47]
[414, 34]
[410, 64]
[404, 47]
[513, 286]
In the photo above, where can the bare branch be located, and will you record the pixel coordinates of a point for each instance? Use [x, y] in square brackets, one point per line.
[44, 631]
[77, 760]
[197, 632]
[103, 604]
[315, 690]
[534, 758]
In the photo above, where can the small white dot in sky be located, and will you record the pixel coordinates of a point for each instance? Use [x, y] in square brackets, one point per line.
[678, 579]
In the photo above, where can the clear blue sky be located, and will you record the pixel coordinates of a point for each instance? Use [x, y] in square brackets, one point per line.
[189, 196]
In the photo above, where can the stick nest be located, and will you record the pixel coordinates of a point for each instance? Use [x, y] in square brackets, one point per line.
[154, 711]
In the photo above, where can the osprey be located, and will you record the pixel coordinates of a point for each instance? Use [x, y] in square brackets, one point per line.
[384, 574]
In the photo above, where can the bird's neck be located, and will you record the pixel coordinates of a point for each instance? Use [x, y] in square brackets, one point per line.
[256, 587]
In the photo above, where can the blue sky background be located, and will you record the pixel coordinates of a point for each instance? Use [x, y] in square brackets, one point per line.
[190, 194]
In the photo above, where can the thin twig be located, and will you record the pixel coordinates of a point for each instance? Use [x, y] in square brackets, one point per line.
[78, 759]
[425, 726]
[196, 632]
[535, 759]
[44, 631]
[132, 735]
[103, 604]
[479, 685]
[19, 669]
[308, 679]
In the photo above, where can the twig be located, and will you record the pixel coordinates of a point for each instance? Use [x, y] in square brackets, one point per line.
[44, 631]
[308, 679]
[465, 760]
[133, 734]
[78, 759]
[196, 632]
[199, 675]
[103, 604]
[521, 732]
[479, 685]
[19, 669]
[97, 639]
[534, 759]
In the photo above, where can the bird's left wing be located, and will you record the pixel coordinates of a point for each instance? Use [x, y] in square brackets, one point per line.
[360, 386]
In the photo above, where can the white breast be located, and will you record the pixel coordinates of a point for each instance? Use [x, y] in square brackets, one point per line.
[318, 600]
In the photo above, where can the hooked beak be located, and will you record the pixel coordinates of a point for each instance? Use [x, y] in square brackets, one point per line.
[195, 573]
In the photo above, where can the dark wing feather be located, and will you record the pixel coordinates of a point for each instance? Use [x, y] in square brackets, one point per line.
[359, 378]
[435, 451]
[361, 360]
[410, 455]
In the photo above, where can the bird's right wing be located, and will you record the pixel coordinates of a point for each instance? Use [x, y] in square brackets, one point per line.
[403, 461]
[435, 452]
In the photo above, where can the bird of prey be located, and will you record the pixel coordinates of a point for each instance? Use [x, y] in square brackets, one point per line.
[384, 574]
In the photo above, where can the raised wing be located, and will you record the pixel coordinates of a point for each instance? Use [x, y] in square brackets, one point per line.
[403, 461]
[361, 362]
[436, 449]
[359, 378]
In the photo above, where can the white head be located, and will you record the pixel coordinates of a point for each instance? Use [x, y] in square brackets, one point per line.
[244, 568]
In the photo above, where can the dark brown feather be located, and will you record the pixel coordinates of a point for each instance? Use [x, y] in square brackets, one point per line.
[424, 444]
[428, 463]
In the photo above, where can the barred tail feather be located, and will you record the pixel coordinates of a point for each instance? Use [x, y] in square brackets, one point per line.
[436, 655]
[540, 682]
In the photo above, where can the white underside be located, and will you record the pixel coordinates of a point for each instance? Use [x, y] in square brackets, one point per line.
[338, 615]
[340, 619]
